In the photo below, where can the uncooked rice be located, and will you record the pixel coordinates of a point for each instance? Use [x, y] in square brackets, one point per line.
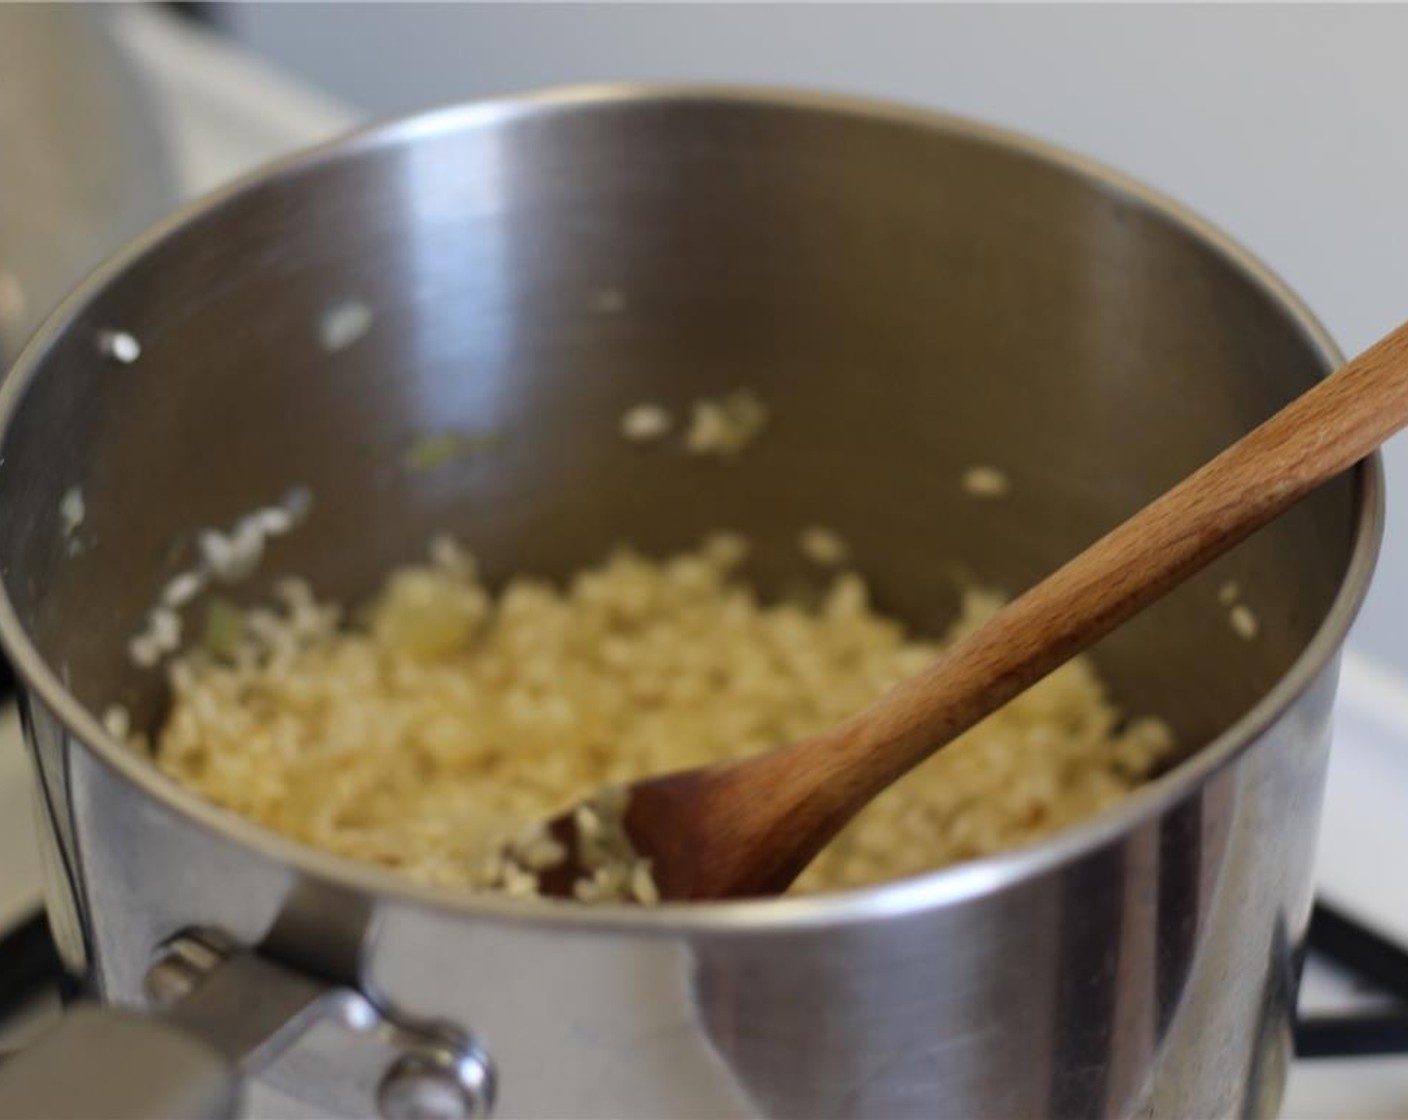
[1245, 623]
[71, 511]
[986, 482]
[644, 422]
[724, 426]
[121, 346]
[822, 546]
[452, 719]
[344, 323]
[223, 558]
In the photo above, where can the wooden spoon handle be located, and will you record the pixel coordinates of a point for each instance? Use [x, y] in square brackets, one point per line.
[1314, 438]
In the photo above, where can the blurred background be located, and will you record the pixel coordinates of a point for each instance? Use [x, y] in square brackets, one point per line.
[1272, 121]
[1275, 122]
[1278, 123]
[1269, 120]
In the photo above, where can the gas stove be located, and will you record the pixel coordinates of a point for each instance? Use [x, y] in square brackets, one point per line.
[224, 113]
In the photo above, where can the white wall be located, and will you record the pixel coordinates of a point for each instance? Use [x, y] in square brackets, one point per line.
[1285, 125]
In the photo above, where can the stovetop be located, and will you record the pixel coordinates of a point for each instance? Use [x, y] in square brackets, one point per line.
[225, 113]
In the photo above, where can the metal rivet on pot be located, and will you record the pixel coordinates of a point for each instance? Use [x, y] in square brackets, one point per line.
[181, 965]
[169, 981]
[418, 1087]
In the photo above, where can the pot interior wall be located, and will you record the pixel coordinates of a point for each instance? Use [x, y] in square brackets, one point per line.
[908, 301]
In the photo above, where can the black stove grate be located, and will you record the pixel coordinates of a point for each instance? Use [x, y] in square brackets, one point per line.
[1372, 958]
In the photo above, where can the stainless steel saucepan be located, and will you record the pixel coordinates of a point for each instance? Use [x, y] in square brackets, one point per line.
[913, 295]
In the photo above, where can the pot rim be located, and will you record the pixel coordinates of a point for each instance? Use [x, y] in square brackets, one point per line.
[932, 889]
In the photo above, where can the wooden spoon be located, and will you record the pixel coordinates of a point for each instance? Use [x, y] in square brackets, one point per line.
[749, 827]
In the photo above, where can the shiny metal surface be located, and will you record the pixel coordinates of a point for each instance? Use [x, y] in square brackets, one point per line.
[342, 1052]
[223, 1014]
[82, 166]
[416, 1088]
[912, 295]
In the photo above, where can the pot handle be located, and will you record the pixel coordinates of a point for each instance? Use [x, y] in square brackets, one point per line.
[222, 1012]
[117, 1064]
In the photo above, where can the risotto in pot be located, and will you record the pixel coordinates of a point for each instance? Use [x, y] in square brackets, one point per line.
[444, 719]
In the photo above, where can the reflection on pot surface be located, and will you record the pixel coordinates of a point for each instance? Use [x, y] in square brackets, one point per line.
[911, 297]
